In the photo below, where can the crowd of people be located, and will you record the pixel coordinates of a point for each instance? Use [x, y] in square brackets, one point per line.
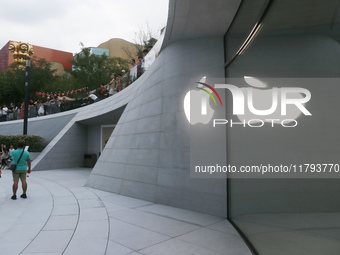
[5, 156]
[124, 79]
[11, 112]
[41, 107]
[59, 104]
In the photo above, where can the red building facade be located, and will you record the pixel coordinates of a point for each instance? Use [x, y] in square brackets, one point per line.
[4, 57]
[50, 55]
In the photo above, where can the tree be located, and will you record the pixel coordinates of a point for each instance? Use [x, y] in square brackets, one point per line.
[91, 70]
[143, 39]
[42, 75]
[115, 65]
[63, 83]
[12, 82]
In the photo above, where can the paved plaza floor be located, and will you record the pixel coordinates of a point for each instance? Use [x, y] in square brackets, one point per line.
[61, 216]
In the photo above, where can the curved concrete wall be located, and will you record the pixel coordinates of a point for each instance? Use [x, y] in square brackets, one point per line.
[68, 147]
[53, 124]
[148, 154]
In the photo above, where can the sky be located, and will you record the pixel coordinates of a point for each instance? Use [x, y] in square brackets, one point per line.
[64, 24]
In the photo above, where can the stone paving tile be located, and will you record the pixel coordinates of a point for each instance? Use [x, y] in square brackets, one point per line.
[63, 217]
[117, 249]
[54, 241]
[178, 247]
[181, 214]
[156, 223]
[132, 236]
[216, 241]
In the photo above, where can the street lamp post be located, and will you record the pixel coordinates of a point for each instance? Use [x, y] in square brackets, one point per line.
[28, 68]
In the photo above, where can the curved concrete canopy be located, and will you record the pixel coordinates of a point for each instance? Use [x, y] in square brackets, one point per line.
[199, 19]
[148, 154]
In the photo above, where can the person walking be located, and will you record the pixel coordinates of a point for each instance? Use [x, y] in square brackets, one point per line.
[22, 159]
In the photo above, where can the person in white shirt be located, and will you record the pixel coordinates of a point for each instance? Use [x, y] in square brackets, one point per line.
[11, 148]
[133, 71]
[93, 97]
[112, 85]
[145, 52]
[4, 113]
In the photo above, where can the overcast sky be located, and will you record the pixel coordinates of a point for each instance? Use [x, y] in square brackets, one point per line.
[63, 24]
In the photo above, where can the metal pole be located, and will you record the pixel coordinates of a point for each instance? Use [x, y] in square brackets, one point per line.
[28, 68]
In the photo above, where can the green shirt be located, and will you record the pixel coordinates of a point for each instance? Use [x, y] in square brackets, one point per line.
[21, 165]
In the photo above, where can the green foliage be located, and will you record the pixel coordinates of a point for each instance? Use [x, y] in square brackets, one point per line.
[150, 42]
[12, 86]
[144, 38]
[63, 83]
[115, 65]
[35, 143]
[41, 76]
[12, 83]
[88, 68]
[91, 70]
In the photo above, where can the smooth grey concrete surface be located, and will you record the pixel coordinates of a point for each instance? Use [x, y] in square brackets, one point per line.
[148, 154]
[199, 19]
[310, 233]
[61, 216]
[52, 125]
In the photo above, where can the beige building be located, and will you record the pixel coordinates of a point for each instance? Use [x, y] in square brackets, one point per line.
[120, 48]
